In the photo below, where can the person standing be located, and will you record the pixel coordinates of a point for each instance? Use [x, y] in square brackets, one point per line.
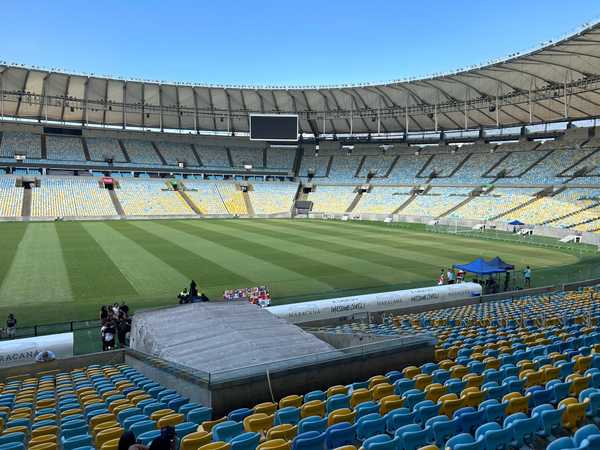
[527, 276]
[11, 326]
[193, 289]
[440, 280]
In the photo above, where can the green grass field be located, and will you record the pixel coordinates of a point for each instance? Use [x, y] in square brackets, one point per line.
[56, 272]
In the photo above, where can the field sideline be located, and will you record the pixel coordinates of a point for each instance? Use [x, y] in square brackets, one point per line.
[61, 271]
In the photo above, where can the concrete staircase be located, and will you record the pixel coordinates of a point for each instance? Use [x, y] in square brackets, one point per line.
[160, 156]
[354, 202]
[248, 203]
[44, 146]
[189, 202]
[593, 205]
[124, 150]
[86, 150]
[196, 155]
[229, 158]
[116, 202]
[535, 163]
[405, 204]
[485, 174]
[471, 196]
[26, 208]
[516, 208]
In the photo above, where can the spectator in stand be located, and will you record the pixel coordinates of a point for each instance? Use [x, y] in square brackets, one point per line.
[527, 276]
[107, 332]
[441, 278]
[103, 314]
[184, 296]
[126, 441]
[123, 328]
[450, 276]
[166, 441]
[193, 289]
[11, 326]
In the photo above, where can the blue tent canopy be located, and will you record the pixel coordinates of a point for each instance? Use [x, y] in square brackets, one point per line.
[498, 262]
[480, 266]
[516, 222]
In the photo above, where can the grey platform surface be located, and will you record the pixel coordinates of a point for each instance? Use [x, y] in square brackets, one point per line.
[217, 337]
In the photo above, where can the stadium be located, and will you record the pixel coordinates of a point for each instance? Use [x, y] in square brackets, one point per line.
[404, 265]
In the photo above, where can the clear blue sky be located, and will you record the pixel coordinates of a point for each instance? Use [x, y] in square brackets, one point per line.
[278, 41]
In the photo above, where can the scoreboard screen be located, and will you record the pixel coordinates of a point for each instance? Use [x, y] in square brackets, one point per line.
[274, 127]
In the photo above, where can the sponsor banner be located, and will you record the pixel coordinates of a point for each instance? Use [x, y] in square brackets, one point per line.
[383, 301]
[23, 351]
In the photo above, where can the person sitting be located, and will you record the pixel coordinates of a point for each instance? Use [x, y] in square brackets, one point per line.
[45, 356]
[183, 296]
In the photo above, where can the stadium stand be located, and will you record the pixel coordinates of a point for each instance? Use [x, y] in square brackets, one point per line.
[343, 167]
[280, 158]
[406, 169]
[495, 203]
[515, 163]
[149, 197]
[213, 156]
[232, 198]
[244, 155]
[436, 201]
[382, 200]
[272, 197]
[206, 197]
[174, 153]
[63, 148]
[514, 373]
[141, 152]
[318, 164]
[332, 199]
[11, 197]
[377, 164]
[20, 143]
[105, 148]
[70, 197]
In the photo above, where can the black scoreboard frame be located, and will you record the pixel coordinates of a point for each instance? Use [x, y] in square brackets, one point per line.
[251, 115]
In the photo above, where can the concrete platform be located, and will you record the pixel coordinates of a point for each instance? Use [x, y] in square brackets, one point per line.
[221, 337]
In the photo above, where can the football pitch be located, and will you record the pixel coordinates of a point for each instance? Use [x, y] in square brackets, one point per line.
[62, 271]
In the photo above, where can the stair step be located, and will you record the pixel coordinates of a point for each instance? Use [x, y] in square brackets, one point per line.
[26, 208]
[116, 202]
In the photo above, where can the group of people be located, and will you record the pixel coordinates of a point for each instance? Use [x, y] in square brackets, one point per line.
[115, 324]
[192, 295]
[450, 276]
[258, 295]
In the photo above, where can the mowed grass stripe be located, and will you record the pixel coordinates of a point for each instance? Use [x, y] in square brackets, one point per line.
[38, 272]
[339, 271]
[388, 261]
[148, 274]
[193, 265]
[10, 239]
[342, 257]
[451, 245]
[90, 270]
[428, 250]
[271, 264]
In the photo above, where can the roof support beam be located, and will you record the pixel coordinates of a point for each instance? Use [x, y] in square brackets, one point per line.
[160, 108]
[178, 107]
[212, 108]
[327, 108]
[20, 99]
[84, 114]
[105, 104]
[196, 118]
[261, 100]
[274, 100]
[123, 113]
[43, 101]
[337, 105]
[143, 105]
[230, 127]
[65, 96]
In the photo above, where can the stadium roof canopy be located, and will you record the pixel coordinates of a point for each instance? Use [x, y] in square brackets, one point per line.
[556, 82]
